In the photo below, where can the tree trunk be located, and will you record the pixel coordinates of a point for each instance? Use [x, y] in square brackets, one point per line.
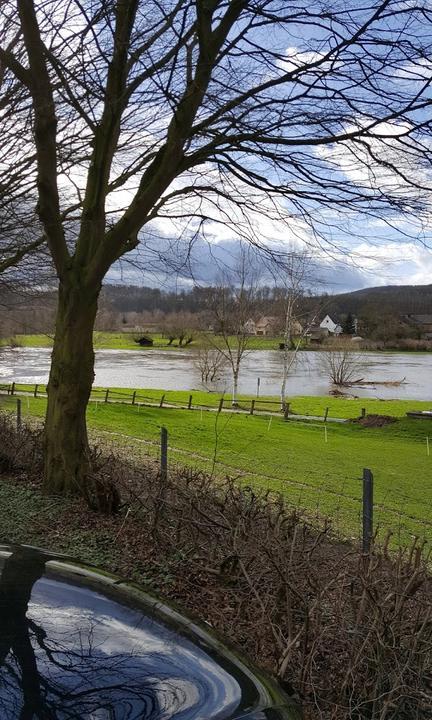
[70, 381]
[287, 344]
[234, 401]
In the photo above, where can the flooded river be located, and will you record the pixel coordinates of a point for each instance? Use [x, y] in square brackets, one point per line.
[175, 369]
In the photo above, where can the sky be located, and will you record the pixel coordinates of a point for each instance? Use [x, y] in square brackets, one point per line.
[350, 251]
[392, 264]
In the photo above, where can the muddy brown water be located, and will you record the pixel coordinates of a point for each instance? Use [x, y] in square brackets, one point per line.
[176, 370]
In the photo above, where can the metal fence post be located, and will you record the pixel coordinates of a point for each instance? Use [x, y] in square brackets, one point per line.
[18, 414]
[367, 509]
[164, 454]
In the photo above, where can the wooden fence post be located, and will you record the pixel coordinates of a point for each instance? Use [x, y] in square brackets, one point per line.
[164, 454]
[363, 412]
[133, 397]
[162, 401]
[12, 388]
[252, 407]
[35, 391]
[18, 415]
[190, 402]
[106, 395]
[221, 402]
[326, 414]
[367, 509]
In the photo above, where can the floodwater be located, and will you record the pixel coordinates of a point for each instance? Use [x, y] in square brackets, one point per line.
[175, 369]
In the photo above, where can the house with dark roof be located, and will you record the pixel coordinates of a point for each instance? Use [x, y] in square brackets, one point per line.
[327, 323]
[422, 322]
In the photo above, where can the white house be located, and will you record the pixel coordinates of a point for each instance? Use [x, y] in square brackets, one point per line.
[250, 327]
[328, 324]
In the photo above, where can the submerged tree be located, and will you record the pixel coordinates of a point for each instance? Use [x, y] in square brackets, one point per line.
[231, 307]
[342, 363]
[209, 360]
[127, 112]
[292, 276]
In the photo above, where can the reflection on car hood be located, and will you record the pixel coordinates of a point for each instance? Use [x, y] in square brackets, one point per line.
[78, 644]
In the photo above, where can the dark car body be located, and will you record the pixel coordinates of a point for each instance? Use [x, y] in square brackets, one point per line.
[78, 644]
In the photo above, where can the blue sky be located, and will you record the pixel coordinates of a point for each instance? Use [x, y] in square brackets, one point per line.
[350, 250]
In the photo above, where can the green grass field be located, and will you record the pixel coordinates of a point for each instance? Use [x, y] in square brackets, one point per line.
[344, 408]
[125, 341]
[293, 458]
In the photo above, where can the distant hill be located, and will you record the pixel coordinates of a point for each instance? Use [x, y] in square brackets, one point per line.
[395, 299]
[387, 299]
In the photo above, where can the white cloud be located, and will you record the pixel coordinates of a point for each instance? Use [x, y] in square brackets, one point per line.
[419, 70]
[296, 58]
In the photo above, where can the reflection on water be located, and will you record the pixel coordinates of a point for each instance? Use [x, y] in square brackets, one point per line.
[175, 369]
[74, 647]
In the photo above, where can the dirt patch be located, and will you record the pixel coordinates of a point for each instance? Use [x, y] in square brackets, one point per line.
[376, 420]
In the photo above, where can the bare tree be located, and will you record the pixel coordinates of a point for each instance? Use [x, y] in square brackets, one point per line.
[292, 276]
[342, 364]
[181, 325]
[194, 109]
[25, 266]
[209, 361]
[232, 306]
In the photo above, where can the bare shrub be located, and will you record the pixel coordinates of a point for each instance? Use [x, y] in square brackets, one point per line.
[210, 362]
[411, 344]
[352, 634]
[342, 364]
[19, 451]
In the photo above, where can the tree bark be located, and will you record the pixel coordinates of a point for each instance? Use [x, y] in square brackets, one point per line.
[67, 457]
[234, 401]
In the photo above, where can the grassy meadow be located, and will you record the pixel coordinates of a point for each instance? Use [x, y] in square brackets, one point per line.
[315, 468]
[338, 407]
[125, 341]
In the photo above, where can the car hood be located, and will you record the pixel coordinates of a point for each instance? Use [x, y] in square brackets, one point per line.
[77, 643]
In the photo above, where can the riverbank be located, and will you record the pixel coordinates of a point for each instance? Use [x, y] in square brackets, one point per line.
[314, 466]
[126, 341]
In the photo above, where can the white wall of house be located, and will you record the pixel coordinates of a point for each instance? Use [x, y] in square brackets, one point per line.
[328, 324]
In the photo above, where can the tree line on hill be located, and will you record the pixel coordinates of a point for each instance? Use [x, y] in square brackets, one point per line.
[381, 313]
